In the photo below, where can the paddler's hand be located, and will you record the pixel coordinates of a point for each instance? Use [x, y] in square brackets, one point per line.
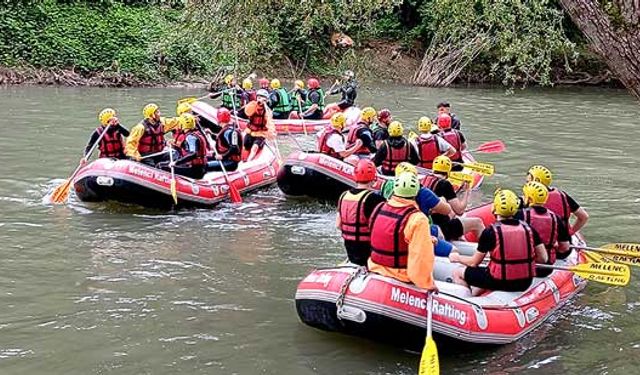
[83, 161]
[454, 257]
[218, 157]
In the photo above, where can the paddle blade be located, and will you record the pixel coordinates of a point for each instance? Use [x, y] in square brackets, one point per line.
[61, 193]
[492, 147]
[629, 249]
[460, 177]
[607, 273]
[413, 136]
[234, 194]
[429, 362]
[485, 169]
[174, 191]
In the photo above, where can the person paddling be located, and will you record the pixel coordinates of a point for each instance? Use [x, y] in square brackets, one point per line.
[228, 144]
[112, 143]
[331, 140]
[514, 249]
[348, 90]
[454, 137]
[354, 210]
[279, 101]
[429, 144]
[395, 150]
[191, 149]
[260, 126]
[363, 133]
[230, 93]
[147, 137]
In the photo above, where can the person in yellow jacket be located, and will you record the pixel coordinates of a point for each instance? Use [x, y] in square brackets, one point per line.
[401, 244]
[147, 137]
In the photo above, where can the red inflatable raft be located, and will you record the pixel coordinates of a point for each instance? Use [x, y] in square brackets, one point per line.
[132, 182]
[321, 176]
[292, 126]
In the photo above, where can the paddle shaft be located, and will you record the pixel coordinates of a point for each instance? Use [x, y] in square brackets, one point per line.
[572, 269]
[88, 154]
[154, 154]
[304, 125]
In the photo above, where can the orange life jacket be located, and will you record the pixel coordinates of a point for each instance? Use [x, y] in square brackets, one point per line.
[513, 258]
[257, 117]
[389, 247]
[354, 224]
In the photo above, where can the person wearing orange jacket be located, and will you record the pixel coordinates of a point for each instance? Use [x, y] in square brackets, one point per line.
[411, 258]
[147, 137]
[260, 126]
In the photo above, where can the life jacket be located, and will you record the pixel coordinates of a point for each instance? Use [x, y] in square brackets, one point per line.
[354, 224]
[453, 137]
[513, 258]
[257, 121]
[111, 143]
[152, 139]
[230, 100]
[322, 142]
[389, 247]
[201, 153]
[546, 224]
[394, 157]
[428, 149]
[249, 95]
[222, 147]
[558, 203]
[431, 181]
[352, 137]
[284, 101]
[308, 103]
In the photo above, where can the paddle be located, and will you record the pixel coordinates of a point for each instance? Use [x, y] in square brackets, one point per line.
[484, 169]
[234, 194]
[617, 252]
[429, 363]
[304, 125]
[491, 147]
[606, 273]
[154, 154]
[61, 193]
[174, 192]
[460, 177]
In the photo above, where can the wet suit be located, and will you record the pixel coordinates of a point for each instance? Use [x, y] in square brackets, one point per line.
[228, 146]
[349, 93]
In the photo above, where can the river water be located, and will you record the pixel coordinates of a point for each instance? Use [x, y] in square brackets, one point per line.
[111, 289]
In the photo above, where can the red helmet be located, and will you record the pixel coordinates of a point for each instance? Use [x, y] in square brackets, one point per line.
[365, 171]
[384, 114]
[224, 116]
[313, 83]
[444, 121]
[264, 83]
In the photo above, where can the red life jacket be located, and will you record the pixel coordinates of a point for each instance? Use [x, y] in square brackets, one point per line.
[257, 121]
[354, 224]
[389, 247]
[546, 224]
[431, 181]
[111, 144]
[222, 147]
[394, 157]
[513, 258]
[249, 97]
[322, 142]
[352, 137]
[453, 137]
[428, 150]
[201, 153]
[152, 140]
[558, 203]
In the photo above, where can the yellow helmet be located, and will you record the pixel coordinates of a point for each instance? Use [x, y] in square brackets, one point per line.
[275, 84]
[338, 120]
[442, 164]
[505, 203]
[187, 121]
[149, 110]
[299, 84]
[247, 84]
[228, 79]
[368, 114]
[406, 167]
[535, 193]
[542, 174]
[395, 129]
[183, 107]
[106, 115]
[424, 124]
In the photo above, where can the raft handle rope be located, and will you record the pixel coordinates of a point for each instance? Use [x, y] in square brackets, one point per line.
[361, 270]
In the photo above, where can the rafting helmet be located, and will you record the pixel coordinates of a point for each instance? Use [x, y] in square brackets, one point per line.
[368, 114]
[262, 93]
[406, 185]
[299, 84]
[384, 116]
[149, 110]
[444, 121]
[247, 84]
[228, 79]
[535, 193]
[313, 83]
[424, 124]
[338, 120]
[442, 164]
[406, 167]
[505, 203]
[183, 107]
[365, 171]
[223, 116]
[540, 173]
[275, 84]
[187, 121]
[396, 129]
[106, 115]
[349, 75]
[264, 83]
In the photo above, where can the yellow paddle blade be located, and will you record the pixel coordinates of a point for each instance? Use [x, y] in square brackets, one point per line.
[606, 273]
[625, 253]
[61, 193]
[595, 257]
[429, 363]
[190, 100]
[630, 249]
[174, 192]
[482, 168]
[413, 135]
[460, 177]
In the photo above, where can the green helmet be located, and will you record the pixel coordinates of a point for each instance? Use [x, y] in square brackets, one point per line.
[406, 185]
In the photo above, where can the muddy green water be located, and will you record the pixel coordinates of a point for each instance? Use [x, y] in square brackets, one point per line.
[109, 289]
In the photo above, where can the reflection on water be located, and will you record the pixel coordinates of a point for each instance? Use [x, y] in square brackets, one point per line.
[121, 289]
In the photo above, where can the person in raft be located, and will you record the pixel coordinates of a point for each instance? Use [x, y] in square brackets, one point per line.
[228, 144]
[230, 93]
[112, 143]
[260, 126]
[549, 226]
[147, 137]
[429, 144]
[298, 95]
[265, 84]
[445, 108]
[279, 101]
[401, 245]
[331, 140]
[437, 182]
[455, 138]
[313, 107]
[380, 128]
[513, 246]
[362, 132]
[395, 150]
[559, 202]
[354, 210]
[191, 149]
